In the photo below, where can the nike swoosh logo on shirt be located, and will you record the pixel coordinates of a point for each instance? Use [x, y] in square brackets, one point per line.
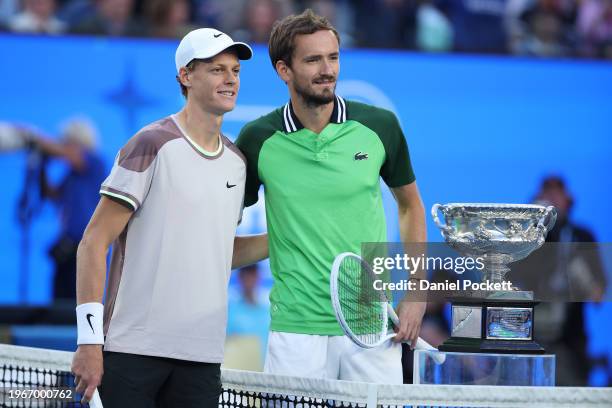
[228, 185]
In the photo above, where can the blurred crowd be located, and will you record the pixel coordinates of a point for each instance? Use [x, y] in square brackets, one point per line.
[537, 28]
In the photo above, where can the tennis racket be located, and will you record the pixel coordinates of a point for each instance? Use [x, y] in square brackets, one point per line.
[362, 311]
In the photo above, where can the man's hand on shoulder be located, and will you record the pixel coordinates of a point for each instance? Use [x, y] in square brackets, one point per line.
[87, 368]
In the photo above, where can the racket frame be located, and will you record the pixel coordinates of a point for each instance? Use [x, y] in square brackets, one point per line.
[387, 311]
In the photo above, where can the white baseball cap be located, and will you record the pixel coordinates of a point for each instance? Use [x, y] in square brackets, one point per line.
[206, 43]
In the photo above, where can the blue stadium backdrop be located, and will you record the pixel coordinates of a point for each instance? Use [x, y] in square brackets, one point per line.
[480, 129]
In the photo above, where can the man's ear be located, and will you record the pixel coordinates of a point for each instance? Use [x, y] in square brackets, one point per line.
[184, 77]
[283, 70]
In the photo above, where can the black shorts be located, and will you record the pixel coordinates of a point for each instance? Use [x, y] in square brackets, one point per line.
[136, 381]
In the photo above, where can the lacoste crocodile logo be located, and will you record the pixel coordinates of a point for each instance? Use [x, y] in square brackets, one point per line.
[361, 156]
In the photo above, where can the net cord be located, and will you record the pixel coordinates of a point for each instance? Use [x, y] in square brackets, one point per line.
[356, 392]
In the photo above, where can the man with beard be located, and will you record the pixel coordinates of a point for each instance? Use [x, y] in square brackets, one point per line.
[320, 158]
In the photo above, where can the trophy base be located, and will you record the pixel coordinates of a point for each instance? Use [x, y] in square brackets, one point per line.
[492, 325]
[466, 345]
[484, 369]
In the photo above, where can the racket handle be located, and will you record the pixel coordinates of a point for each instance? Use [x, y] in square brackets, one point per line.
[392, 315]
[96, 402]
[438, 357]
[421, 344]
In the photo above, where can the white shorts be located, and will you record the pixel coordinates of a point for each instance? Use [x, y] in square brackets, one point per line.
[332, 357]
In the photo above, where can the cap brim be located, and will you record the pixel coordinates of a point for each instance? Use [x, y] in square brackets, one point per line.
[244, 51]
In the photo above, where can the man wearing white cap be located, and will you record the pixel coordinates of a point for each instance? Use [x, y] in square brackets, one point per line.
[171, 205]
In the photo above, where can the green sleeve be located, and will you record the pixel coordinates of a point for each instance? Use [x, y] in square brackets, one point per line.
[248, 143]
[397, 169]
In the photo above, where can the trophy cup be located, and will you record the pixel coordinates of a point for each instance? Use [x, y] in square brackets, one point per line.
[497, 321]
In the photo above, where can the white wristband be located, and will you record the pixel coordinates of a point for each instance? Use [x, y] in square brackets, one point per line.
[89, 323]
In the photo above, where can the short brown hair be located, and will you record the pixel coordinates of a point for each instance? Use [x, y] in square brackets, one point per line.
[282, 39]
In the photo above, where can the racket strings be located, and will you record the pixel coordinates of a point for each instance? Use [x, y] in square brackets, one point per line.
[361, 304]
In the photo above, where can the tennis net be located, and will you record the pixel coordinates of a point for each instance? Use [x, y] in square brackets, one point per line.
[24, 367]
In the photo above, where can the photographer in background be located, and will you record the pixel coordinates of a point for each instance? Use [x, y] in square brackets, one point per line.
[575, 273]
[76, 195]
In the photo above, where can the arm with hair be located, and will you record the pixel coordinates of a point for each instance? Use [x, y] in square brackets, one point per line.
[412, 231]
[107, 222]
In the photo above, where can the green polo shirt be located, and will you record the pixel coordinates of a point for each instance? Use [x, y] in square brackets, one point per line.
[323, 197]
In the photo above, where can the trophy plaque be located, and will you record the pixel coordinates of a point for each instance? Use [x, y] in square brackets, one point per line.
[494, 321]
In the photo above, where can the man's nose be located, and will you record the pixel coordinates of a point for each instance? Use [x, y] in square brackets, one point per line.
[231, 78]
[327, 67]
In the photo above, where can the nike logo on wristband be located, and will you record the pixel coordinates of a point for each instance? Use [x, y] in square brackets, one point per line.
[89, 316]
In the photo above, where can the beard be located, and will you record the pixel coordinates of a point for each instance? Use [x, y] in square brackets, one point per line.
[313, 99]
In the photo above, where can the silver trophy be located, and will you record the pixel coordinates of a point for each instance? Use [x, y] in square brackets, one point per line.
[499, 321]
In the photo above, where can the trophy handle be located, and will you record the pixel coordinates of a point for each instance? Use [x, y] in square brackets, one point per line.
[551, 215]
[434, 214]
[543, 226]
